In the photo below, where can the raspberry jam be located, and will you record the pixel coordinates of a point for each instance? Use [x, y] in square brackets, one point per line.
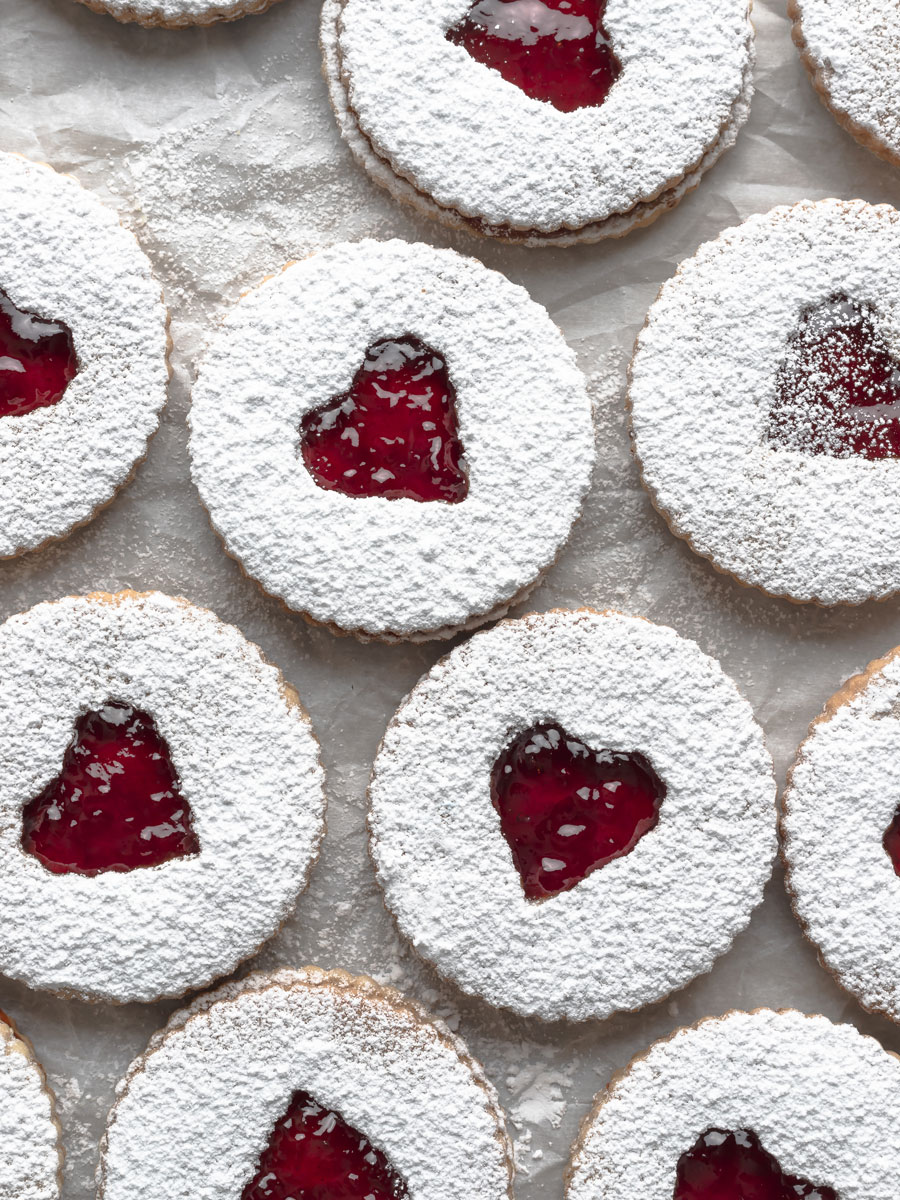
[734, 1166]
[115, 805]
[838, 387]
[313, 1154]
[554, 50]
[567, 810]
[395, 433]
[37, 360]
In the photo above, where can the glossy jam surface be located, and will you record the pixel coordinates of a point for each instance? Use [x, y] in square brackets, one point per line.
[115, 805]
[554, 50]
[395, 433]
[892, 842]
[725, 1165]
[839, 386]
[37, 360]
[313, 1154]
[567, 810]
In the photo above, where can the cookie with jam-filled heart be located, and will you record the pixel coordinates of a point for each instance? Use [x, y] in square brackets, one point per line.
[177, 14]
[765, 401]
[83, 346]
[538, 121]
[841, 835]
[306, 1083]
[161, 797]
[392, 439]
[30, 1148]
[572, 772]
[769, 1105]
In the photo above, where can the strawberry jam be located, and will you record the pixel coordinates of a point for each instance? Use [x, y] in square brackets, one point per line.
[115, 805]
[734, 1166]
[554, 50]
[37, 360]
[567, 810]
[394, 433]
[313, 1154]
[839, 386]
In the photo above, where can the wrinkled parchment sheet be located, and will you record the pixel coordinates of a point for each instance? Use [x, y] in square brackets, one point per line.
[219, 149]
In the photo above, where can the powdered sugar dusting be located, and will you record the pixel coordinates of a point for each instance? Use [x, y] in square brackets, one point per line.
[371, 565]
[177, 13]
[29, 1138]
[247, 765]
[617, 940]
[704, 380]
[66, 257]
[823, 1099]
[196, 1111]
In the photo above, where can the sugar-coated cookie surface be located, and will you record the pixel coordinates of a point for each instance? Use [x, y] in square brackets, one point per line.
[212, 1084]
[378, 567]
[177, 14]
[30, 1152]
[618, 940]
[65, 257]
[839, 804]
[823, 1099]
[705, 377]
[247, 764]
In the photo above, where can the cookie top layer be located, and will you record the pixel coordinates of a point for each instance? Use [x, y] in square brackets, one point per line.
[247, 763]
[705, 377]
[66, 258]
[212, 1085]
[370, 565]
[495, 154]
[177, 14]
[617, 940]
[823, 1099]
[30, 1153]
[838, 806]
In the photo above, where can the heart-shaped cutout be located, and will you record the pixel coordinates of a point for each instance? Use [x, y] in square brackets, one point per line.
[395, 433]
[838, 390]
[314, 1154]
[724, 1165]
[567, 810]
[554, 50]
[116, 803]
[37, 360]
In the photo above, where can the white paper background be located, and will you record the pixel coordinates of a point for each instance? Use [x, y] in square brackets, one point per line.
[219, 149]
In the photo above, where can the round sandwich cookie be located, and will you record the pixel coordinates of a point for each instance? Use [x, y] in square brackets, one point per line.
[841, 835]
[602, 829]
[851, 50]
[83, 355]
[30, 1148]
[161, 798]
[768, 1105]
[305, 1083]
[177, 14]
[765, 402]
[392, 439]
[539, 121]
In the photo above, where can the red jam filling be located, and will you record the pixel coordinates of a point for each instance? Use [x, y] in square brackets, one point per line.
[395, 433]
[554, 50]
[892, 842]
[115, 805]
[734, 1166]
[37, 360]
[313, 1154]
[567, 810]
[839, 386]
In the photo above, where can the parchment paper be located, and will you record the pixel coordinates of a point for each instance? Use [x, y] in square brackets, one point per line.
[219, 149]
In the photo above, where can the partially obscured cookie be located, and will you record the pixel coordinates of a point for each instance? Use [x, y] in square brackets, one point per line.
[177, 14]
[30, 1148]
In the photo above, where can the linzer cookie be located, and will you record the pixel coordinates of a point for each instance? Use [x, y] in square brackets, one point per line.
[160, 794]
[768, 1105]
[765, 401]
[30, 1149]
[841, 830]
[177, 14]
[306, 1083]
[601, 828]
[542, 121]
[392, 439]
[851, 50]
[83, 346]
